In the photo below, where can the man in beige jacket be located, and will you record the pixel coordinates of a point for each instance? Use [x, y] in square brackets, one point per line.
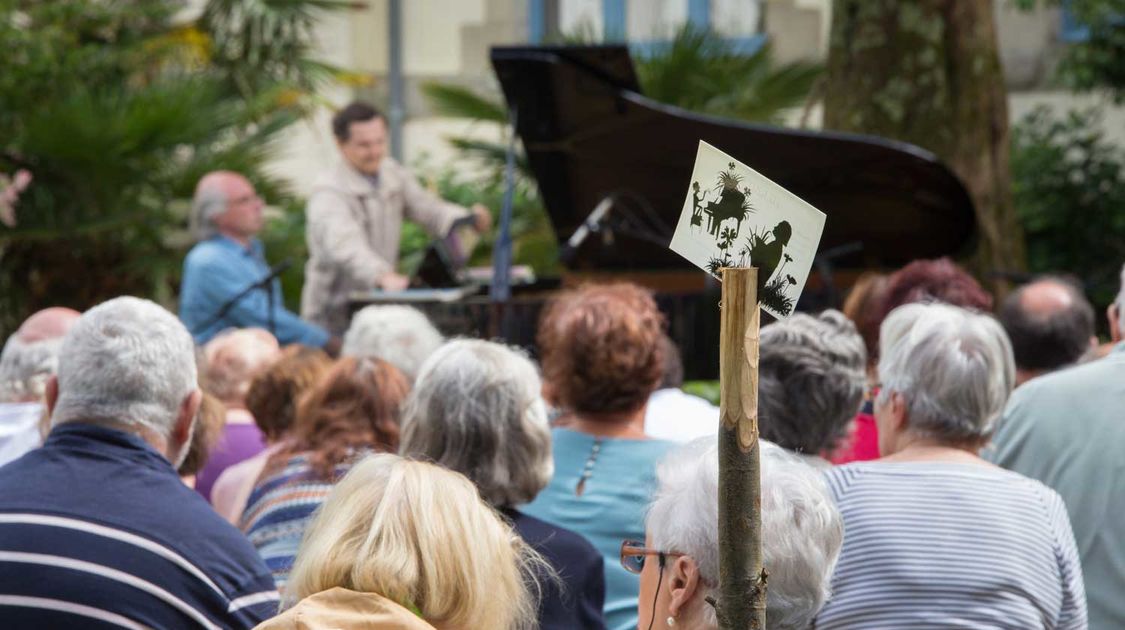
[355, 215]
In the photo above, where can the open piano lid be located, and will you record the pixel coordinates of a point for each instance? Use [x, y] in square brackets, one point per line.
[589, 133]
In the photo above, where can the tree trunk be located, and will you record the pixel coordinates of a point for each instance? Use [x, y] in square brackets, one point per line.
[928, 72]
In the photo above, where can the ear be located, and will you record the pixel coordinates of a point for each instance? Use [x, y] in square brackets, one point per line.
[683, 584]
[897, 406]
[51, 396]
[181, 432]
[1113, 314]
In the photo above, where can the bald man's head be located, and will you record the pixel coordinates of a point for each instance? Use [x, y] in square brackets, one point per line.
[1050, 323]
[31, 355]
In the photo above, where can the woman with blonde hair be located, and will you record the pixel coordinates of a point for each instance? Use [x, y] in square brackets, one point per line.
[406, 545]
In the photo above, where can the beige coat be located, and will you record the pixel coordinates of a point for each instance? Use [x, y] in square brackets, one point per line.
[353, 232]
[343, 609]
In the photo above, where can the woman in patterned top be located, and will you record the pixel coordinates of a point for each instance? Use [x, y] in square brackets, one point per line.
[934, 536]
[353, 411]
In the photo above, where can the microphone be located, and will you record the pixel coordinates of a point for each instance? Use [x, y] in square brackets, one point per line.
[276, 271]
[591, 224]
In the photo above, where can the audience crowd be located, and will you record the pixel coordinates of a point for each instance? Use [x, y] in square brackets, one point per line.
[924, 464]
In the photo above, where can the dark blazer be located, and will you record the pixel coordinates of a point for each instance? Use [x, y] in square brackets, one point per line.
[580, 568]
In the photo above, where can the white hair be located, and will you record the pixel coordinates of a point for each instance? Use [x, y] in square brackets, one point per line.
[476, 409]
[25, 368]
[953, 367]
[209, 202]
[126, 362]
[399, 335]
[802, 529]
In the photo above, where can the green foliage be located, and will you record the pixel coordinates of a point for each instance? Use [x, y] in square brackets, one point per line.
[1069, 185]
[117, 109]
[1098, 62]
[700, 71]
[461, 102]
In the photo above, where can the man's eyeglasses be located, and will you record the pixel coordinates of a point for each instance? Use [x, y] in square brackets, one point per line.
[634, 552]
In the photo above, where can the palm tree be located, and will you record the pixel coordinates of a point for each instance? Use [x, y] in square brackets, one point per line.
[116, 109]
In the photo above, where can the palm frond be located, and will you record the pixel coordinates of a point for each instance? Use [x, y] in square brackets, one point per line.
[459, 102]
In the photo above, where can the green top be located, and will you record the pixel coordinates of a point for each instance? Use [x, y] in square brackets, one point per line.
[1067, 429]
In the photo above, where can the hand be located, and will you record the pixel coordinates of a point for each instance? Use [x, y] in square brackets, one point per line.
[392, 281]
[482, 218]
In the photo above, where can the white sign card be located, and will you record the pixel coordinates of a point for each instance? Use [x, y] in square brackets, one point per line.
[734, 216]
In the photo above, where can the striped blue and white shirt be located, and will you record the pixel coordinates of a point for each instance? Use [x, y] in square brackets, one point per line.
[951, 545]
[98, 531]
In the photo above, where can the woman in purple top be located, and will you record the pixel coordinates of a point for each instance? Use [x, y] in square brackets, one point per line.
[232, 360]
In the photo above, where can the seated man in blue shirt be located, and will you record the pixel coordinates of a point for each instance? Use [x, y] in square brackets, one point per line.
[227, 216]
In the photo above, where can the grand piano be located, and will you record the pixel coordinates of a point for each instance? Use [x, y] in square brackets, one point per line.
[615, 166]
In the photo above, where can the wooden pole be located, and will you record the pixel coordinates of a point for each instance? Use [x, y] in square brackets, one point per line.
[742, 580]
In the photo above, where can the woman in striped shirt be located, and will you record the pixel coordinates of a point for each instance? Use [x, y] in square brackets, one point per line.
[353, 411]
[934, 536]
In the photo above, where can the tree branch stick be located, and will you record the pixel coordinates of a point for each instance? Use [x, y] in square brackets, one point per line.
[742, 581]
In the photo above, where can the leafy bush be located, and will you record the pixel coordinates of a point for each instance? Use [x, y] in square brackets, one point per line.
[1069, 186]
[116, 109]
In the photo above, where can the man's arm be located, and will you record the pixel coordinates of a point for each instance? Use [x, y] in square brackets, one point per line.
[335, 235]
[427, 209]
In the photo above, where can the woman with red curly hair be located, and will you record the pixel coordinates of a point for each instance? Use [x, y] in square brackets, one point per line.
[602, 357]
[353, 411]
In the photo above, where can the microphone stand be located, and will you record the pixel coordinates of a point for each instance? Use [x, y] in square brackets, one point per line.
[265, 283]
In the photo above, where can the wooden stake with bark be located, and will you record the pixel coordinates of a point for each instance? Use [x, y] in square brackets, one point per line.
[740, 483]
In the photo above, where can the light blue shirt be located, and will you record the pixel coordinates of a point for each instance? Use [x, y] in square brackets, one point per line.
[218, 269]
[1067, 429]
[610, 509]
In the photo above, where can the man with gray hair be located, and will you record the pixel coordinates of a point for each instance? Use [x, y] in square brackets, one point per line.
[96, 526]
[1066, 429]
[1050, 324]
[228, 260]
[30, 358]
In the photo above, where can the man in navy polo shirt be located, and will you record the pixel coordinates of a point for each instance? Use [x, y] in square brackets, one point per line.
[96, 528]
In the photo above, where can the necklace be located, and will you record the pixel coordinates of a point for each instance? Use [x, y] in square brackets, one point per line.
[588, 469]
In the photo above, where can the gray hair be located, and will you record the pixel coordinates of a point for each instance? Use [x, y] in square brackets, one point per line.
[126, 362]
[802, 529]
[209, 202]
[954, 367]
[811, 380]
[399, 335]
[25, 368]
[476, 409]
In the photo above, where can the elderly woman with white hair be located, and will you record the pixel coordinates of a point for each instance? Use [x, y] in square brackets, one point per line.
[400, 335]
[679, 563]
[476, 409]
[936, 536]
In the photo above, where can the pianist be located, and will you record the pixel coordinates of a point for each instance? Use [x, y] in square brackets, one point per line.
[228, 259]
[355, 215]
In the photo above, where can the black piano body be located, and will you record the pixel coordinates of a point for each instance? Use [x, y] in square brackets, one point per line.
[591, 138]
